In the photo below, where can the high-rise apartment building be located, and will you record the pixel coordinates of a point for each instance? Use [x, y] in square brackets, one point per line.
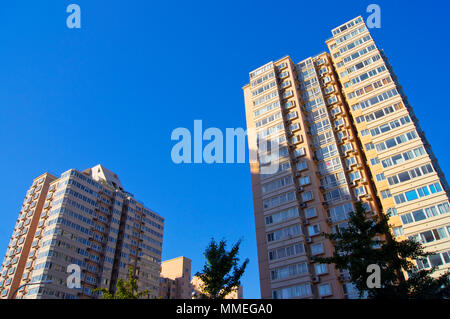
[82, 218]
[346, 133]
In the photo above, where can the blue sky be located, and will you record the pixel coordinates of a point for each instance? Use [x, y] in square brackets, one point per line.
[113, 91]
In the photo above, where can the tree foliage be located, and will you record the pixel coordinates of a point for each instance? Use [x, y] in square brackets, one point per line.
[124, 289]
[221, 273]
[369, 241]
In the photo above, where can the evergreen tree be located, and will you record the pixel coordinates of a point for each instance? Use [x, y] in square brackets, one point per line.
[124, 289]
[367, 241]
[221, 273]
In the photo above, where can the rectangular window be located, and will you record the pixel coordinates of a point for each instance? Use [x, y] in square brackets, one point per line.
[317, 249]
[411, 195]
[310, 212]
[306, 196]
[398, 231]
[435, 260]
[325, 290]
[407, 219]
[386, 194]
[418, 215]
[321, 269]
[399, 199]
[313, 230]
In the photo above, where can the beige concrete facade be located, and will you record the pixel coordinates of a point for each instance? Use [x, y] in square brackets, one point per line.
[326, 162]
[176, 279]
[197, 285]
[87, 219]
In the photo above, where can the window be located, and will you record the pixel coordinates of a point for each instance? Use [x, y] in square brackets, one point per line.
[350, 161]
[310, 212]
[313, 230]
[369, 146]
[418, 215]
[386, 194]
[291, 292]
[304, 180]
[440, 233]
[282, 216]
[436, 187]
[411, 195]
[446, 256]
[435, 260]
[278, 200]
[306, 196]
[427, 236]
[359, 191]
[317, 249]
[444, 208]
[325, 290]
[284, 233]
[300, 152]
[431, 212]
[288, 271]
[277, 184]
[302, 166]
[286, 251]
[321, 269]
[340, 213]
[423, 191]
[398, 231]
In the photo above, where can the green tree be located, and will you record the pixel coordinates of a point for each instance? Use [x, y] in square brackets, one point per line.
[221, 273]
[367, 241]
[124, 289]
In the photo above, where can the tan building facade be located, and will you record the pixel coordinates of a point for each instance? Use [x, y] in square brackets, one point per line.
[176, 279]
[346, 133]
[82, 218]
[197, 285]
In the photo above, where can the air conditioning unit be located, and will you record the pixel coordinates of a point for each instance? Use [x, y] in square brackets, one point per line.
[300, 189]
[329, 220]
[308, 239]
[302, 205]
[315, 279]
[298, 174]
[305, 221]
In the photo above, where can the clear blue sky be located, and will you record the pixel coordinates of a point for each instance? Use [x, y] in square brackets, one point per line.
[112, 93]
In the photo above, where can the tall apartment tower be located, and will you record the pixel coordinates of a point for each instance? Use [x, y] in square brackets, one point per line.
[346, 133]
[84, 219]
